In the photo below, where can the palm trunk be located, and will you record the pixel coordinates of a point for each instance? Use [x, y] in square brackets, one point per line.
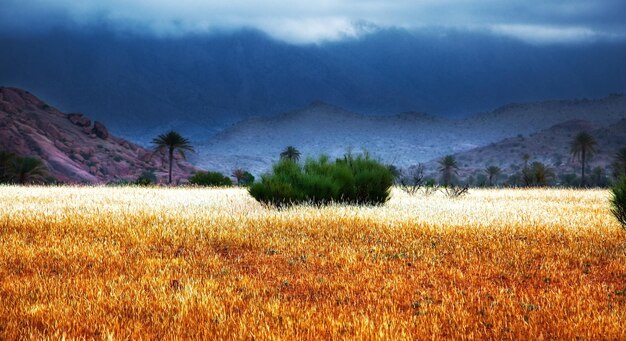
[171, 162]
[582, 181]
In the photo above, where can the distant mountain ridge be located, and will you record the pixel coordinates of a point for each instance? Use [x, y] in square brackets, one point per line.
[142, 85]
[74, 149]
[403, 139]
[549, 146]
[78, 150]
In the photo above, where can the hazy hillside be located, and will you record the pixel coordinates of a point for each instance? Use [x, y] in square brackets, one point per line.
[139, 85]
[74, 148]
[550, 146]
[403, 139]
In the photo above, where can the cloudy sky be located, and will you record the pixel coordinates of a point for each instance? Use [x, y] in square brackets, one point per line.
[306, 21]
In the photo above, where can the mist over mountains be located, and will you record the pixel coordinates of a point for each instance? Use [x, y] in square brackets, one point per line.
[499, 137]
[140, 85]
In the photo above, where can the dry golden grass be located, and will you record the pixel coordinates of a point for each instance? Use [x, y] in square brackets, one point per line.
[211, 263]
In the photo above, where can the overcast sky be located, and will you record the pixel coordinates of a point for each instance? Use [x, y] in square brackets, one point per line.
[311, 21]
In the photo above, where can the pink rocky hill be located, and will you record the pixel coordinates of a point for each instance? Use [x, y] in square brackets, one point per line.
[75, 149]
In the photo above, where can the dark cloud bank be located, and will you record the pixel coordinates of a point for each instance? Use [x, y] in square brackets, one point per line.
[201, 67]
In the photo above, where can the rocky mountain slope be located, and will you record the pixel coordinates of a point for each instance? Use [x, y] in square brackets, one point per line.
[550, 146]
[74, 149]
[403, 139]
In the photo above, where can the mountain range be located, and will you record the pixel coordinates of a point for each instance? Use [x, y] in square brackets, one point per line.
[541, 129]
[77, 150]
[141, 85]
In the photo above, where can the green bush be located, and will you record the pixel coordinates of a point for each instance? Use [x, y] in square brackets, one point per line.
[247, 180]
[618, 201]
[210, 179]
[146, 178]
[352, 180]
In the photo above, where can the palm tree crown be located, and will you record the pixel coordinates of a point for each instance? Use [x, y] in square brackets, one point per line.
[172, 142]
[492, 172]
[27, 170]
[448, 167]
[290, 153]
[583, 146]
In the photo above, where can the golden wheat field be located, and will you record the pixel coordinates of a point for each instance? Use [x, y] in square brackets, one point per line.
[159, 263]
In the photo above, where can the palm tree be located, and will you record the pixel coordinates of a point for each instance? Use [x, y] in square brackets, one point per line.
[620, 159]
[493, 172]
[583, 146]
[239, 174]
[172, 141]
[526, 172]
[541, 174]
[290, 153]
[27, 170]
[448, 167]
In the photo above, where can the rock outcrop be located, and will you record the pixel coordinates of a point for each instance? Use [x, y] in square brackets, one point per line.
[79, 120]
[73, 150]
[101, 131]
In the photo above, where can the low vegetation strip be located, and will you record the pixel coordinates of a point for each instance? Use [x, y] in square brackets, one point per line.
[121, 262]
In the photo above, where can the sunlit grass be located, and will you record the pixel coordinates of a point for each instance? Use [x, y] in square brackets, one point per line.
[212, 263]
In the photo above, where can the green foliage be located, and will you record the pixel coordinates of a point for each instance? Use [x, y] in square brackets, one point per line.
[244, 178]
[599, 177]
[569, 180]
[22, 169]
[582, 148]
[247, 179]
[352, 180]
[290, 153]
[448, 167]
[210, 179]
[147, 178]
[619, 163]
[492, 173]
[5, 161]
[618, 201]
[541, 175]
[172, 142]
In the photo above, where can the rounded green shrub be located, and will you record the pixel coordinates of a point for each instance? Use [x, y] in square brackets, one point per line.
[210, 179]
[618, 201]
[147, 178]
[352, 180]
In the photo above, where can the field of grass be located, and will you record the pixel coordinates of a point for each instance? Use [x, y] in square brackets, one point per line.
[120, 263]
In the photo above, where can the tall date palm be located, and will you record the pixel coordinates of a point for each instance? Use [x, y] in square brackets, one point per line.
[290, 153]
[583, 146]
[492, 173]
[172, 142]
[448, 167]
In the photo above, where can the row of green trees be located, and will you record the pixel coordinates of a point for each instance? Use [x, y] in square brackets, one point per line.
[582, 148]
[31, 170]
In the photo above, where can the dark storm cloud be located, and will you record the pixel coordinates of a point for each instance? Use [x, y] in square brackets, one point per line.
[536, 21]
